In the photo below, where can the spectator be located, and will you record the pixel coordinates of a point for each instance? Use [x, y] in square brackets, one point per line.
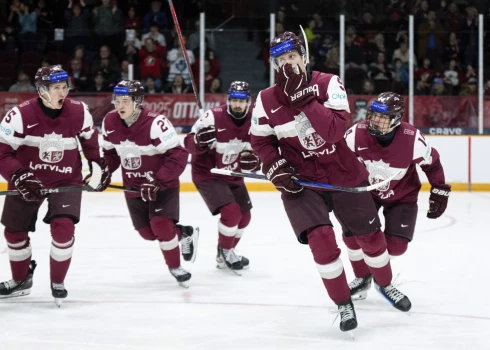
[431, 40]
[78, 77]
[156, 15]
[45, 23]
[402, 53]
[150, 87]
[178, 65]
[470, 89]
[154, 34]
[452, 51]
[99, 84]
[28, 22]
[77, 30]
[452, 77]
[151, 62]
[425, 69]
[178, 86]
[106, 56]
[311, 36]
[215, 86]
[23, 84]
[368, 87]
[108, 25]
[438, 88]
[132, 21]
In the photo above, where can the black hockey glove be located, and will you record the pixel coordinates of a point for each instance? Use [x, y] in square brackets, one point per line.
[439, 195]
[282, 175]
[28, 185]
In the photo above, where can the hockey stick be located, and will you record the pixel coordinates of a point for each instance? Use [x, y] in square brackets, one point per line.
[309, 183]
[126, 189]
[90, 186]
[306, 45]
[186, 57]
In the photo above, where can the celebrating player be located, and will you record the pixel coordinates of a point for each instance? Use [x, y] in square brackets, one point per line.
[221, 139]
[387, 145]
[305, 117]
[147, 146]
[39, 149]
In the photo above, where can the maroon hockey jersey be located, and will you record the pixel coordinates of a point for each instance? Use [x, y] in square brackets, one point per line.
[311, 139]
[230, 141]
[49, 147]
[408, 148]
[149, 146]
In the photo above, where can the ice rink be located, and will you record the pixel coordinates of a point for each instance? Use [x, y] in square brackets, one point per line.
[121, 295]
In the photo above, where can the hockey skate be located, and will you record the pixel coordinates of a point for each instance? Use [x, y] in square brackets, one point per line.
[190, 238]
[11, 289]
[59, 293]
[348, 319]
[181, 275]
[395, 297]
[359, 287]
[227, 258]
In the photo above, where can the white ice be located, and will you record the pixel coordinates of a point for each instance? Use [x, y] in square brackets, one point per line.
[121, 295]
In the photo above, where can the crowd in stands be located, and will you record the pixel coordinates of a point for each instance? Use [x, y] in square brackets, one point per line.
[97, 40]
[376, 43]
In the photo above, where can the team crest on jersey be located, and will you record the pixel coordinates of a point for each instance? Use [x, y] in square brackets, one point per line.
[130, 155]
[378, 172]
[51, 148]
[308, 137]
[232, 150]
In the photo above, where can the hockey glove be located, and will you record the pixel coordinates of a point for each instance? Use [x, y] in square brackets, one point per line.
[29, 186]
[295, 86]
[105, 179]
[439, 195]
[282, 176]
[149, 189]
[205, 137]
[249, 161]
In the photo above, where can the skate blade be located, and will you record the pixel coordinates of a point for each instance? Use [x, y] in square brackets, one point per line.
[19, 293]
[58, 302]
[183, 285]
[351, 335]
[195, 240]
[222, 266]
[359, 296]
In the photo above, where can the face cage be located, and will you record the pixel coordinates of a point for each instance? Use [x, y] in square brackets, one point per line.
[230, 112]
[385, 127]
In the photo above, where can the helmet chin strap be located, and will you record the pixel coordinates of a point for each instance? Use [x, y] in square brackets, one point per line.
[48, 102]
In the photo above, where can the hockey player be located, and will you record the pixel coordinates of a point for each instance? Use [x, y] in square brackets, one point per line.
[305, 117]
[39, 149]
[221, 138]
[386, 145]
[147, 147]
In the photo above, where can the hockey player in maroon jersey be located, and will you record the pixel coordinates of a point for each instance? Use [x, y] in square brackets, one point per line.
[387, 145]
[147, 147]
[39, 149]
[221, 139]
[297, 131]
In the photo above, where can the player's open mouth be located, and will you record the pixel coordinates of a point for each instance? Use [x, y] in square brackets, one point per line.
[60, 101]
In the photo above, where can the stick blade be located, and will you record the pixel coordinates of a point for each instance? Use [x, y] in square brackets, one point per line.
[221, 171]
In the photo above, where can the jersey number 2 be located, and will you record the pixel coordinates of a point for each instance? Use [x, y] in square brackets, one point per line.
[162, 125]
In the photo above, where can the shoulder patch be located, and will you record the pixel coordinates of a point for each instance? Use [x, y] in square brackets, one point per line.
[408, 132]
[153, 114]
[23, 104]
[75, 102]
